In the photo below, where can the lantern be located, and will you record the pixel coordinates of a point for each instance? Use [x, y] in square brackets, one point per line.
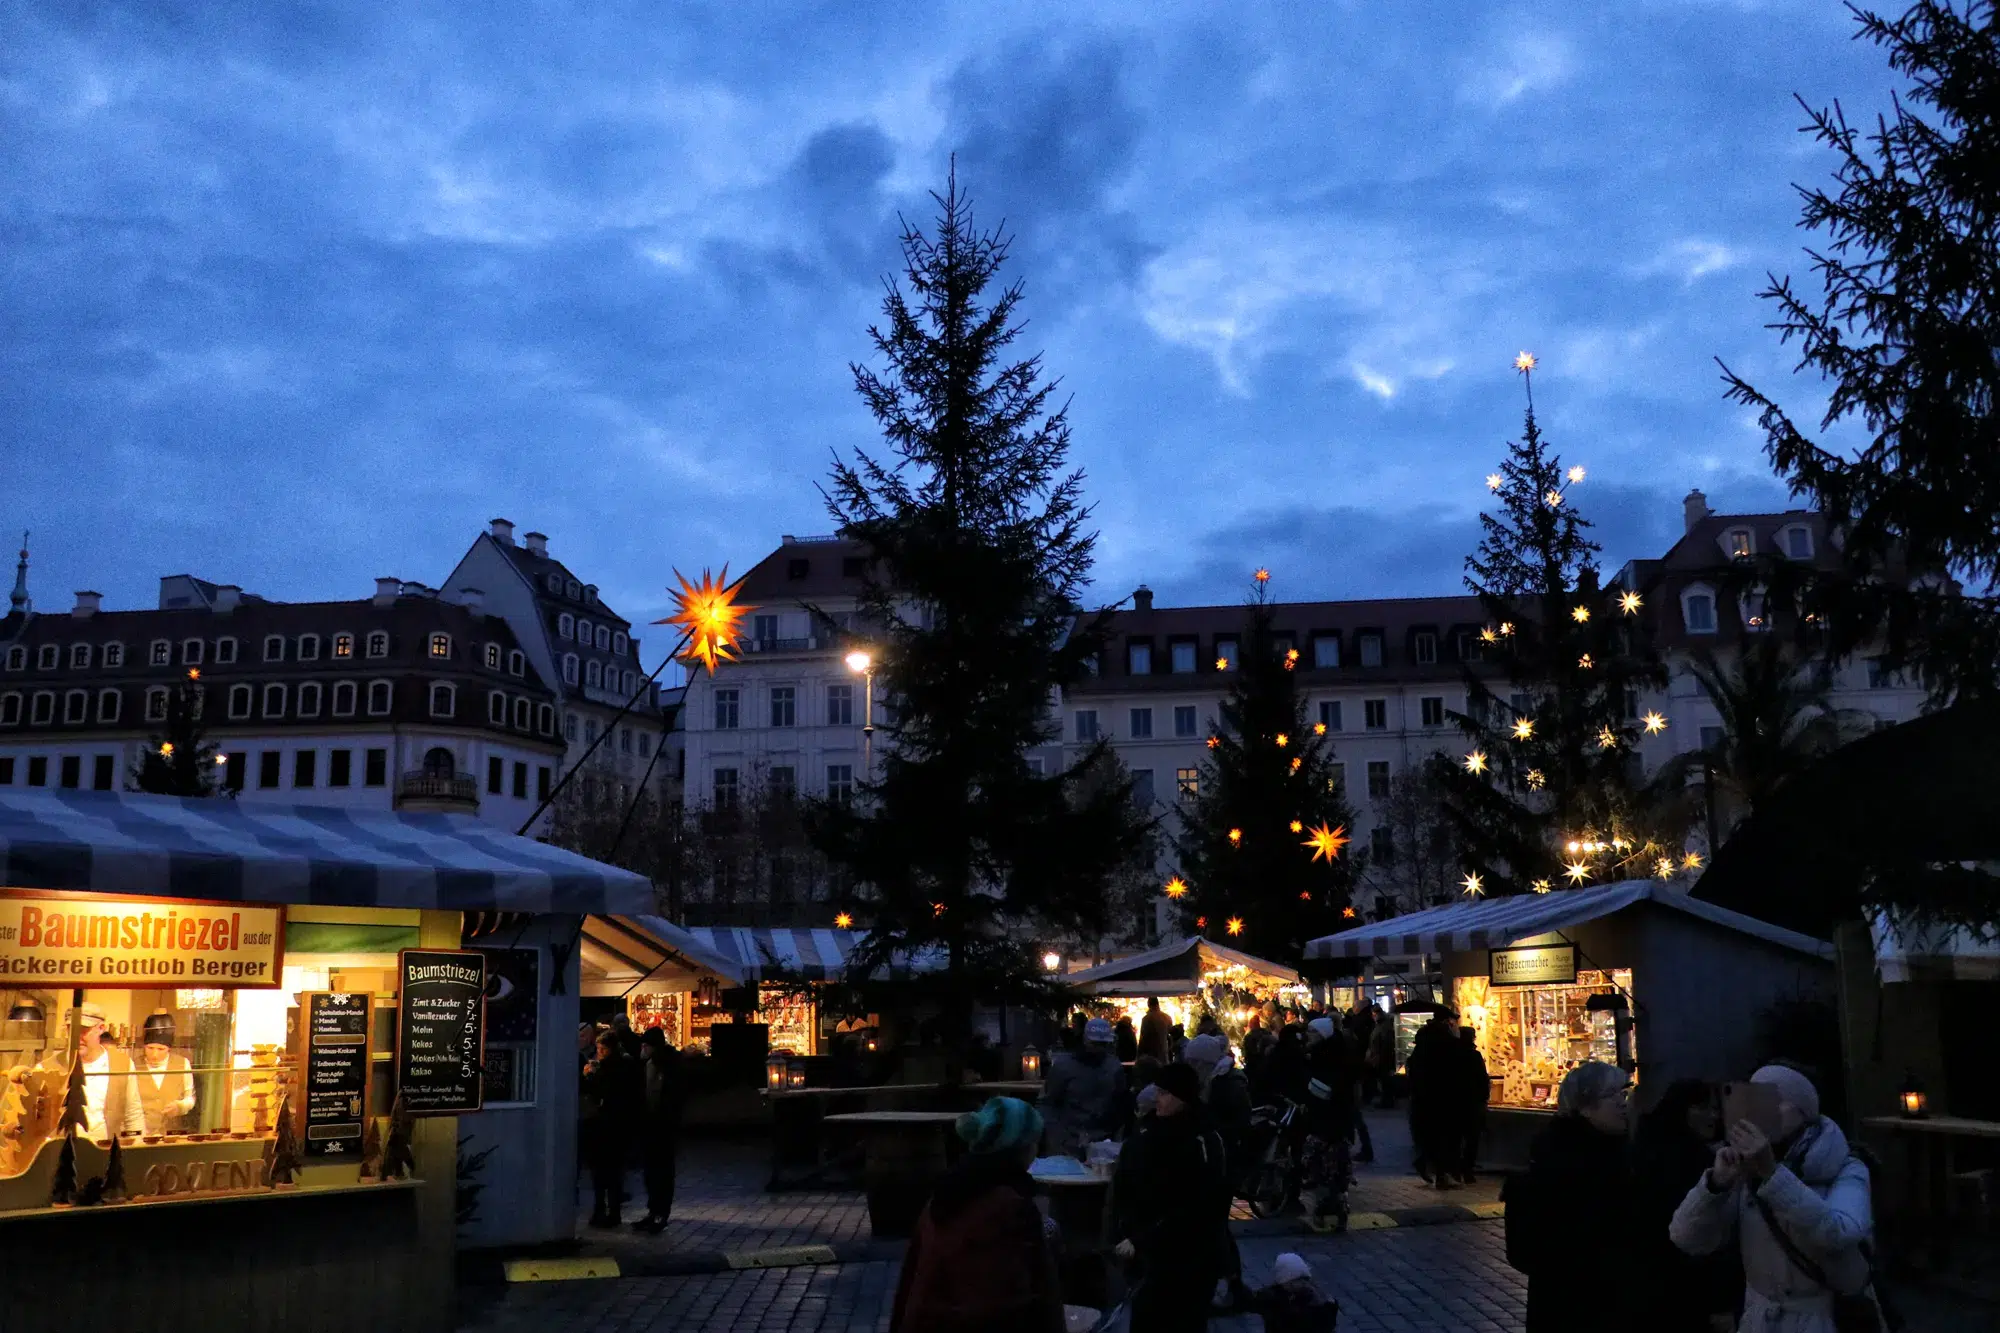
[1031, 1063]
[872, 1047]
[1915, 1102]
[775, 1067]
[795, 1074]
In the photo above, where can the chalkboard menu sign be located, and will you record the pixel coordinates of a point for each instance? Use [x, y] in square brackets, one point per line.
[441, 1030]
[336, 1071]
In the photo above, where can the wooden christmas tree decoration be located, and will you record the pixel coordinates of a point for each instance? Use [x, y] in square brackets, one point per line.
[371, 1150]
[281, 1155]
[62, 1194]
[114, 1174]
[75, 1109]
[399, 1161]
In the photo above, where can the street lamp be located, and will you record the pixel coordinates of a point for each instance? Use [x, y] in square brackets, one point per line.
[862, 665]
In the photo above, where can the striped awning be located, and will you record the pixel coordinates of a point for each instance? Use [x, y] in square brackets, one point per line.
[646, 953]
[255, 851]
[1495, 923]
[1199, 955]
[800, 955]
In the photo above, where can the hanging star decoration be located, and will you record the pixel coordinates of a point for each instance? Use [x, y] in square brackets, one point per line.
[1506, 628]
[1262, 575]
[1347, 912]
[843, 921]
[1555, 499]
[1283, 740]
[1291, 659]
[937, 909]
[1654, 724]
[1577, 871]
[1523, 729]
[1664, 868]
[1235, 926]
[1476, 762]
[1214, 742]
[166, 749]
[1493, 481]
[1540, 886]
[1630, 603]
[1305, 895]
[1536, 779]
[1692, 861]
[1488, 635]
[194, 673]
[1524, 363]
[1222, 664]
[1585, 663]
[1319, 728]
[1201, 923]
[1176, 888]
[1296, 763]
[1580, 614]
[1575, 474]
[1326, 842]
[1475, 887]
[1236, 837]
[707, 613]
[1606, 738]
[1298, 826]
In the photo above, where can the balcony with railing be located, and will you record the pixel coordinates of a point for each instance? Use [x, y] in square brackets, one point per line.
[431, 789]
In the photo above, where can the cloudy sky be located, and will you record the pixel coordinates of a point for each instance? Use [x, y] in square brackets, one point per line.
[297, 296]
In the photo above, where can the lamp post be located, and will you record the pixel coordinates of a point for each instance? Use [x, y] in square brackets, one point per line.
[862, 665]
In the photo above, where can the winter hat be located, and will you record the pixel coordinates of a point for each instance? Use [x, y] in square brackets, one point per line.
[1290, 1268]
[1180, 1079]
[159, 1029]
[1792, 1087]
[1321, 1028]
[1205, 1052]
[1097, 1032]
[1147, 1100]
[1003, 1124]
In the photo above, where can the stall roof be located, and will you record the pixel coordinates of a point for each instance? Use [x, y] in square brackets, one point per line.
[805, 955]
[633, 951]
[256, 851]
[1205, 951]
[1906, 950]
[1494, 923]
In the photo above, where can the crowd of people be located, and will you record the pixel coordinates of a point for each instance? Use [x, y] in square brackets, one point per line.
[631, 1092]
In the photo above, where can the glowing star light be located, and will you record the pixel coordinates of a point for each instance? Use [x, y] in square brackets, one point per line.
[1493, 481]
[1536, 779]
[1201, 923]
[1664, 868]
[166, 749]
[843, 922]
[1262, 576]
[1585, 663]
[1575, 475]
[1327, 842]
[1298, 827]
[1555, 499]
[1222, 664]
[1577, 871]
[1291, 659]
[1283, 740]
[1540, 886]
[937, 909]
[1296, 762]
[1236, 837]
[1235, 926]
[1475, 887]
[1524, 363]
[708, 614]
[1580, 614]
[1630, 603]
[1488, 635]
[1476, 762]
[1506, 628]
[1176, 887]
[1692, 861]
[1653, 723]
[1305, 895]
[1523, 729]
[1214, 742]
[1606, 738]
[1319, 728]
[1347, 912]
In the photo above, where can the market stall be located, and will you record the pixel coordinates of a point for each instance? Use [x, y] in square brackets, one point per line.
[1636, 974]
[261, 1032]
[1189, 978]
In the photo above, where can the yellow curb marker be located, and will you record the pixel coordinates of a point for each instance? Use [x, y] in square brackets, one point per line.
[786, 1256]
[1487, 1210]
[559, 1270]
[1370, 1222]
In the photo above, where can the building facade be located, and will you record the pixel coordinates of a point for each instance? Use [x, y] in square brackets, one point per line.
[399, 700]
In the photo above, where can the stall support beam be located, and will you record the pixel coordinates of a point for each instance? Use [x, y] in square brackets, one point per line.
[435, 1145]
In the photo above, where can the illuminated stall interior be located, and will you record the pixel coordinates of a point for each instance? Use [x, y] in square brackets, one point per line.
[1533, 1035]
[1189, 978]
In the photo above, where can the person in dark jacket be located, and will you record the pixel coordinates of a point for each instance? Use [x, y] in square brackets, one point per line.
[1293, 1303]
[1382, 1057]
[1437, 1096]
[980, 1260]
[611, 1101]
[1170, 1204]
[1678, 1292]
[664, 1093]
[1085, 1096]
[1478, 1090]
[1125, 1039]
[1153, 1030]
[1580, 1250]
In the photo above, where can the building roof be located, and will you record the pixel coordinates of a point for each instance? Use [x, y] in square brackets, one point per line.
[536, 568]
[254, 851]
[641, 952]
[1193, 955]
[806, 569]
[1495, 923]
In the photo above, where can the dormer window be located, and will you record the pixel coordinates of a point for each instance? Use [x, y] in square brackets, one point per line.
[619, 643]
[47, 658]
[1756, 616]
[378, 644]
[1798, 541]
[308, 647]
[1739, 543]
[566, 625]
[1698, 609]
[603, 637]
[274, 647]
[517, 663]
[343, 645]
[225, 652]
[161, 653]
[1424, 647]
[1369, 645]
[191, 652]
[1227, 654]
[114, 654]
[440, 645]
[583, 632]
[493, 656]
[17, 658]
[571, 590]
[1139, 659]
[79, 656]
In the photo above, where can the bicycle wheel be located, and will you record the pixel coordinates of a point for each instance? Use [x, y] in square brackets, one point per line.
[1268, 1190]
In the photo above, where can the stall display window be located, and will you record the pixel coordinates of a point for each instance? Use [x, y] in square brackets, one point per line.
[1532, 1036]
[688, 1018]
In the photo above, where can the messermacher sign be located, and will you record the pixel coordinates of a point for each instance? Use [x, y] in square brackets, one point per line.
[88, 939]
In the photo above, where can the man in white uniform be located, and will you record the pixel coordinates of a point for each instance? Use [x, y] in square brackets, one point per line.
[111, 1105]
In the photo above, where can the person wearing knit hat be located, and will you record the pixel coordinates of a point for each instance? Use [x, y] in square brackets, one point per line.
[979, 1259]
[1797, 1205]
[1084, 1098]
[1170, 1201]
[1292, 1303]
[166, 1088]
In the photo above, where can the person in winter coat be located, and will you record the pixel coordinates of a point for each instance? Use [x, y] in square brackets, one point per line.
[1292, 1303]
[1382, 1057]
[1170, 1207]
[612, 1097]
[1153, 1030]
[1226, 1093]
[1437, 1097]
[1579, 1264]
[1478, 1090]
[1285, 1074]
[1084, 1098]
[1125, 1039]
[980, 1261]
[659, 1126]
[1677, 1292]
[1797, 1207]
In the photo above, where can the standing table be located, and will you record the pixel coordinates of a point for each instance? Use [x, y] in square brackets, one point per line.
[1930, 1163]
[904, 1153]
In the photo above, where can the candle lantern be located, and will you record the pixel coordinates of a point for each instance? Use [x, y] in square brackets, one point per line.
[795, 1074]
[774, 1070]
[1915, 1102]
[1031, 1063]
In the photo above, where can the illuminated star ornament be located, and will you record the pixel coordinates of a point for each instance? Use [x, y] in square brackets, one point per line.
[1523, 729]
[1327, 842]
[1577, 871]
[707, 613]
[1606, 738]
[1291, 659]
[1475, 887]
[1692, 861]
[1236, 837]
[1506, 628]
[166, 749]
[1654, 724]
[1283, 740]
[1235, 926]
[1555, 499]
[1488, 635]
[1296, 763]
[1347, 912]
[1540, 886]
[1585, 663]
[1664, 868]
[1222, 664]
[1524, 363]
[1493, 481]
[1319, 728]
[1214, 742]
[843, 921]
[1262, 576]
[1298, 827]
[1630, 603]
[1575, 474]
[1201, 923]
[1176, 887]
[1536, 779]
[1476, 762]
[1580, 614]
[937, 909]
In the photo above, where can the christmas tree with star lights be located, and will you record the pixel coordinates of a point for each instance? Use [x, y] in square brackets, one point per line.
[1262, 848]
[1547, 792]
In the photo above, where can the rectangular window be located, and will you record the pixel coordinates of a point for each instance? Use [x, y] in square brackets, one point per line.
[1138, 659]
[840, 705]
[191, 652]
[1375, 714]
[339, 768]
[309, 699]
[1381, 846]
[107, 705]
[38, 771]
[76, 706]
[840, 783]
[343, 645]
[45, 708]
[784, 783]
[543, 777]
[240, 699]
[1187, 782]
[308, 647]
[784, 706]
[274, 647]
[6, 770]
[1424, 645]
[1326, 650]
[1184, 720]
[1142, 788]
[1798, 541]
[1880, 677]
[10, 709]
[237, 771]
[1698, 610]
[496, 775]
[725, 789]
[726, 713]
[520, 781]
[47, 656]
[1371, 650]
[101, 768]
[1433, 706]
[1226, 654]
[72, 771]
[1142, 724]
[161, 653]
[764, 629]
[375, 769]
[305, 768]
[440, 645]
[1378, 779]
[1336, 779]
[79, 656]
[1086, 724]
[274, 701]
[114, 654]
[343, 699]
[268, 765]
[1180, 657]
[1329, 714]
[380, 696]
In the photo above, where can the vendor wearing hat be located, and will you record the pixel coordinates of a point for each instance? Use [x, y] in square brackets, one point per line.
[1084, 1098]
[110, 1107]
[166, 1090]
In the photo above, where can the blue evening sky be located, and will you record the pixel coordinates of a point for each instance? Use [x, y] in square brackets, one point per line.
[295, 296]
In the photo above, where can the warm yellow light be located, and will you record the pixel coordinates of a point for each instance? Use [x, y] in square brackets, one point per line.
[1555, 499]
[1347, 912]
[1577, 871]
[1291, 654]
[1327, 842]
[1236, 837]
[1176, 887]
[1692, 861]
[1493, 481]
[1664, 868]
[1654, 724]
[1262, 576]
[1488, 636]
[1296, 763]
[1222, 664]
[1214, 742]
[708, 614]
[1475, 887]
[1305, 895]
[843, 922]
[1585, 663]
[194, 673]
[1523, 729]
[166, 749]
[1051, 962]
[1630, 603]
[1576, 474]
[1475, 762]
[937, 909]
[1535, 779]
[858, 662]
[1540, 886]
[1506, 628]
[1298, 827]
[1235, 926]
[1606, 738]
[222, 759]
[1283, 740]
[1319, 728]
[1579, 614]
[1524, 363]
[1575, 846]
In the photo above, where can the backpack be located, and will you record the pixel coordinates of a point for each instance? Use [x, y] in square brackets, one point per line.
[1521, 1220]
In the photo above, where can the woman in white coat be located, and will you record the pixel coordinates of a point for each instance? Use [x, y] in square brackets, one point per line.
[1808, 1184]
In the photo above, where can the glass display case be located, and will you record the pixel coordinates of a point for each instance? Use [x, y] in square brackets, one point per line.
[1532, 1036]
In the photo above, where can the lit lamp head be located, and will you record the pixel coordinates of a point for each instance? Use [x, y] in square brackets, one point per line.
[859, 662]
[1052, 961]
[1031, 1063]
[1911, 1098]
[795, 1074]
[776, 1067]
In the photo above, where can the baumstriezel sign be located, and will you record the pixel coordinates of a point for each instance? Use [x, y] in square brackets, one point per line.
[89, 939]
